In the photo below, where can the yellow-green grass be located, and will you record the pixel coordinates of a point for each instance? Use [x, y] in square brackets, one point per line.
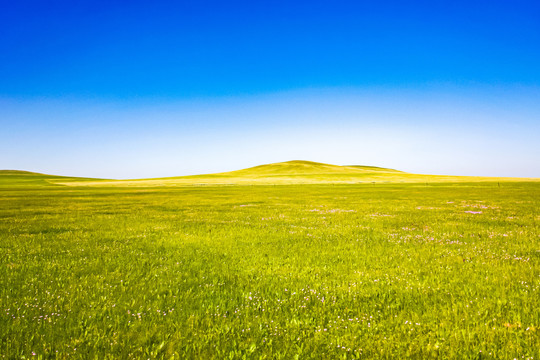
[293, 172]
[26, 179]
[314, 271]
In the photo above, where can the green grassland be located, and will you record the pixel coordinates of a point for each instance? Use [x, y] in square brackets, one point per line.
[289, 173]
[296, 260]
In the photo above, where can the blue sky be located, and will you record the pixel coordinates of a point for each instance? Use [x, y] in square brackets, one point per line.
[143, 89]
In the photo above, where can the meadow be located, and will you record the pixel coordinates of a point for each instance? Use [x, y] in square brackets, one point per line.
[290, 271]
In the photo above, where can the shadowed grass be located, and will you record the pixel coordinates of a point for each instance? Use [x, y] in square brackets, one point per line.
[17, 178]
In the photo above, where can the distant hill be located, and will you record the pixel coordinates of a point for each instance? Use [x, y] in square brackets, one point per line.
[282, 173]
[19, 178]
[302, 167]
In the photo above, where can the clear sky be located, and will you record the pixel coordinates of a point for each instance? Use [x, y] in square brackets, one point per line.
[128, 89]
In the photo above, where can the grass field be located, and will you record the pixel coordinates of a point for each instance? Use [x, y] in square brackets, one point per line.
[392, 266]
[288, 173]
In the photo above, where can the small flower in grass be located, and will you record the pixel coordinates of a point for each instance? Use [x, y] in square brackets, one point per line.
[473, 212]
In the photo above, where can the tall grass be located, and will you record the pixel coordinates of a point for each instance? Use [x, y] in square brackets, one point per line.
[269, 272]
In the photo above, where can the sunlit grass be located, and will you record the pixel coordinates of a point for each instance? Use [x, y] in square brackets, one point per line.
[308, 271]
[289, 173]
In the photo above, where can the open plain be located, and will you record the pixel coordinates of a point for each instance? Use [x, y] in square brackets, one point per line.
[284, 261]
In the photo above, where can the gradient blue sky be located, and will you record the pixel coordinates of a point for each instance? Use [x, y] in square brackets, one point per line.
[122, 89]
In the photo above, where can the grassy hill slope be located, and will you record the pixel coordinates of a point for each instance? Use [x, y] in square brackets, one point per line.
[301, 167]
[290, 172]
[23, 179]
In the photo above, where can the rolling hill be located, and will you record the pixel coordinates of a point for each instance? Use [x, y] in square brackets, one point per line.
[19, 178]
[282, 173]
